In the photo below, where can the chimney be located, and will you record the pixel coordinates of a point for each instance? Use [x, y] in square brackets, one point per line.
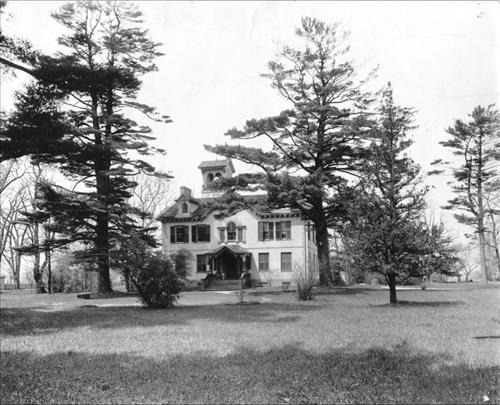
[186, 191]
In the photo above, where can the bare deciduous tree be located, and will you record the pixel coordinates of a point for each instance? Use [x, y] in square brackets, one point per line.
[150, 196]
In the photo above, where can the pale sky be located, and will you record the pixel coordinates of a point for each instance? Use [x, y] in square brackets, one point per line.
[441, 57]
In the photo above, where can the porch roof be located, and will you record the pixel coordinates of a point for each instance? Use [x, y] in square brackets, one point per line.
[236, 250]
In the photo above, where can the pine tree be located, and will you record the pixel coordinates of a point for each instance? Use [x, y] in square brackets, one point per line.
[319, 138]
[74, 116]
[477, 144]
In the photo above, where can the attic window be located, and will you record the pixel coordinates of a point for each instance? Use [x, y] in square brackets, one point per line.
[184, 208]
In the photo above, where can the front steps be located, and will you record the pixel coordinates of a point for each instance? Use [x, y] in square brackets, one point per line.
[223, 285]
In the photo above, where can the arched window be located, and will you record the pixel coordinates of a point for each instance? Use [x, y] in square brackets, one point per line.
[231, 231]
[210, 177]
[184, 208]
[217, 175]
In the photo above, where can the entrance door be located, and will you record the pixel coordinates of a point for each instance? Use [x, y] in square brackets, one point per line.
[230, 266]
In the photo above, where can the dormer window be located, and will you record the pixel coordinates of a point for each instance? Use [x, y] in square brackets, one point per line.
[184, 208]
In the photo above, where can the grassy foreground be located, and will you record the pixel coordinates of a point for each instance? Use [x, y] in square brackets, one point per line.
[347, 346]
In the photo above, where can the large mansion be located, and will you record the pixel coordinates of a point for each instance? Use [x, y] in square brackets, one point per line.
[265, 243]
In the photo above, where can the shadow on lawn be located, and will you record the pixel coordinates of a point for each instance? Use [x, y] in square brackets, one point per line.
[342, 291]
[38, 320]
[317, 291]
[422, 304]
[286, 374]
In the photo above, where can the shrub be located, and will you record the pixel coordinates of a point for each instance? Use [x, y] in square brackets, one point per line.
[305, 282]
[157, 282]
[412, 281]
[380, 279]
[179, 260]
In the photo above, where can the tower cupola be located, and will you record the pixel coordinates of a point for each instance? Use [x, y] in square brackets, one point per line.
[213, 169]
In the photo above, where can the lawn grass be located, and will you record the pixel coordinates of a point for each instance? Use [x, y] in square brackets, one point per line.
[346, 346]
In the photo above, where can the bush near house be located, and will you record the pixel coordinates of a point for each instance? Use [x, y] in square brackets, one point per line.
[157, 282]
[305, 282]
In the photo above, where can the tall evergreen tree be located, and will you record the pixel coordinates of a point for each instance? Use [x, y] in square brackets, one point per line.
[385, 233]
[74, 116]
[319, 138]
[477, 144]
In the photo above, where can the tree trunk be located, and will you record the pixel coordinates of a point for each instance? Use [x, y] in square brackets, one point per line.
[126, 277]
[49, 268]
[391, 278]
[102, 220]
[17, 270]
[102, 245]
[37, 273]
[497, 255]
[480, 212]
[325, 273]
[40, 286]
[482, 246]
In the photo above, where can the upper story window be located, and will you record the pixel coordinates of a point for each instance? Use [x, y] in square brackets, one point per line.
[266, 230]
[179, 234]
[232, 233]
[184, 208]
[200, 233]
[284, 230]
[210, 177]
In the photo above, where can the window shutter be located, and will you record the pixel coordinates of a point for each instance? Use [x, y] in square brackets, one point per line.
[261, 231]
[172, 234]
[194, 237]
[207, 233]
[271, 230]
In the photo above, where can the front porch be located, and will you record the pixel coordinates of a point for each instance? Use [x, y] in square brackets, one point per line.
[229, 262]
[228, 266]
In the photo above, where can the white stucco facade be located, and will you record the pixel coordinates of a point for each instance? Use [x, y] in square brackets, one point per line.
[267, 243]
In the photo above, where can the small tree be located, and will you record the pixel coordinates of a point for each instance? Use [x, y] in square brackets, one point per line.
[439, 255]
[384, 231]
[155, 277]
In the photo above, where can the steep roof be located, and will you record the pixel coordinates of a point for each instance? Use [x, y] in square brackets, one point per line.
[169, 214]
[204, 209]
[216, 164]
